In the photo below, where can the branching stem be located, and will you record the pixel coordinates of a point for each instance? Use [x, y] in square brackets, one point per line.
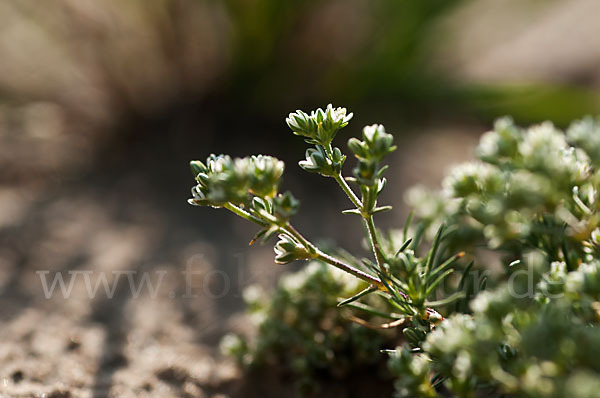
[244, 214]
[350, 269]
[318, 254]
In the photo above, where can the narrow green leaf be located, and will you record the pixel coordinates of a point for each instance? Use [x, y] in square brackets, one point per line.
[435, 283]
[407, 226]
[258, 235]
[483, 284]
[372, 311]
[445, 301]
[461, 286]
[270, 233]
[382, 170]
[351, 211]
[444, 266]
[381, 209]
[465, 273]
[436, 244]
[347, 301]
[403, 247]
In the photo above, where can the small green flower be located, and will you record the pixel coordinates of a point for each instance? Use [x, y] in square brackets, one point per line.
[330, 121]
[286, 205]
[302, 124]
[223, 179]
[317, 161]
[585, 133]
[321, 126]
[287, 250]
[376, 144]
[265, 175]
[366, 172]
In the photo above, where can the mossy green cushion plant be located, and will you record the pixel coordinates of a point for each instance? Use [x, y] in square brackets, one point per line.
[299, 329]
[531, 197]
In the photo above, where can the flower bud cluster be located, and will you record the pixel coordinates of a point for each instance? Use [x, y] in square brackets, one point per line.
[318, 161]
[287, 249]
[321, 126]
[376, 144]
[521, 175]
[224, 180]
[516, 344]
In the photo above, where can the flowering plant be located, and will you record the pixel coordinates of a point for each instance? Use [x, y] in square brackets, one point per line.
[531, 201]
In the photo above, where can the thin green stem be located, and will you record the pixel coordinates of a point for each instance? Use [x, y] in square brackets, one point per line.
[312, 248]
[332, 260]
[349, 269]
[342, 182]
[368, 218]
[292, 231]
[349, 192]
[374, 242]
[244, 214]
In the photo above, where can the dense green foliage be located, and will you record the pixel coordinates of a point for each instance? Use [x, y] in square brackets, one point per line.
[300, 329]
[523, 321]
[532, 197]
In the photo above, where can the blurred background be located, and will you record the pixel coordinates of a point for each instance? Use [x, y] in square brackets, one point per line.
[104, 102]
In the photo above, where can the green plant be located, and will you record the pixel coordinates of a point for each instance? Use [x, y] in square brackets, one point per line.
[300, 330]
[249, 188]
[530, 200]
[407, 283]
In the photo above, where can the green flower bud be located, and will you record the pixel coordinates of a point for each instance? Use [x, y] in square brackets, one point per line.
[500, 145]
[302, 124]
[366, 172]
[199, 197]
[586, 134]
[288, 250]
[379, 142]
[223, 179]
[376, 143]
[467, 179]
[321, 126]
[331, 121]
[286, 205]
[197, 167]
[317, 161]
[358, 148]
[265, 175]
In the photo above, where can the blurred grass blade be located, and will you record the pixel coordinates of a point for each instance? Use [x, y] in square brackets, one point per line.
[371, 310]
[347, 301]
[404, 246]
[445, 301]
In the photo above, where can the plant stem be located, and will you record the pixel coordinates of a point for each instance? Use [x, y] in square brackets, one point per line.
[350, 269]
[368, 218]
[244, 214]
[374, 242]
[292, 231]
[349, 192]
[318, 254]
[342, 182]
